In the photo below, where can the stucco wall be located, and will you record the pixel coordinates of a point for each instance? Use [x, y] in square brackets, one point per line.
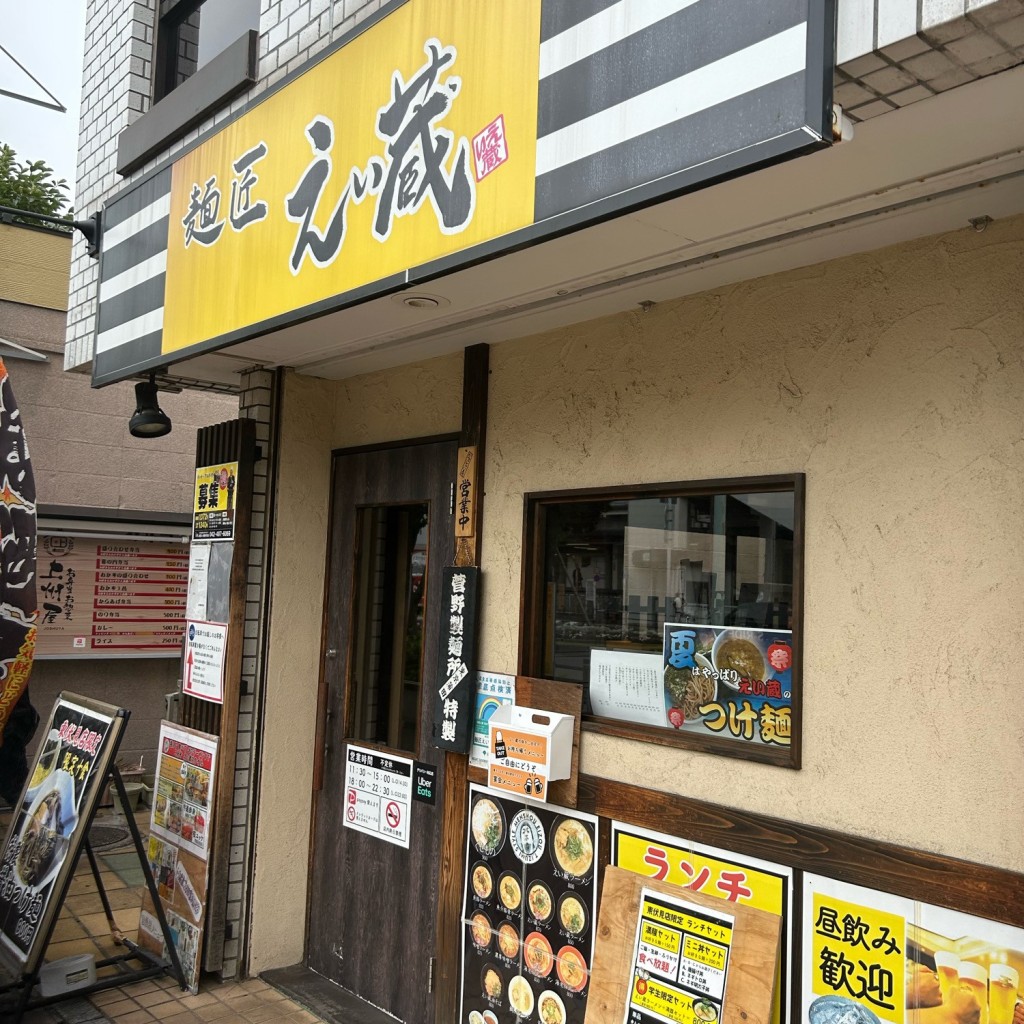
[894, 380]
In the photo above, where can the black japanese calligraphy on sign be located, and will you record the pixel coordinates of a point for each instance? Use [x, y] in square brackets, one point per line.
[78, 744]
[454, 694]
[421, 161]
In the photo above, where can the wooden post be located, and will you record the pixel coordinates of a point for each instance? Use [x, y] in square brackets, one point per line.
[453, 827]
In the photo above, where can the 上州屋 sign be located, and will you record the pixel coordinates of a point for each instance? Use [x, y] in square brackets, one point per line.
[443, 131]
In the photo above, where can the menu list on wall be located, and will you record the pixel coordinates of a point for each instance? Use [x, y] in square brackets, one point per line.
[530, 908]
[110, 598]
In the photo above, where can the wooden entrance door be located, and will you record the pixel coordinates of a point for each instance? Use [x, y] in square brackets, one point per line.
[373, 904]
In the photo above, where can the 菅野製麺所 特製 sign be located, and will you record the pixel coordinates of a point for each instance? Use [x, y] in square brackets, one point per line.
[446, 132]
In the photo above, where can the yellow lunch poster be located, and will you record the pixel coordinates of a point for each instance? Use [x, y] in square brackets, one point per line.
[732, 877]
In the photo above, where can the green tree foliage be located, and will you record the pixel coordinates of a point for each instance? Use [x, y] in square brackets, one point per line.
[32, 187]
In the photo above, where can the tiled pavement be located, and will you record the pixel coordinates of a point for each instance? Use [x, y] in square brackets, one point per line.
[82, 928]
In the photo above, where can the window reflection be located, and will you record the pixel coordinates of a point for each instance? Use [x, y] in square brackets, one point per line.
[616, 571]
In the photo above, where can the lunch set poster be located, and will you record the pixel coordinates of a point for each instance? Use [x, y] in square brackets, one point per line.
[730, 682]
[70, 760]
[529, 911]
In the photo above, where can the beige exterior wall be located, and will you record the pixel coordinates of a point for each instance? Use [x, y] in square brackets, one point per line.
[894, 380]
[34, 266]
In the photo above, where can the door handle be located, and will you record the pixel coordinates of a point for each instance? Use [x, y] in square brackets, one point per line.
[331, 652]
[327, 732]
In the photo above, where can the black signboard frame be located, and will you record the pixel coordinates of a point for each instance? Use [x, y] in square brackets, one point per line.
[80, 742]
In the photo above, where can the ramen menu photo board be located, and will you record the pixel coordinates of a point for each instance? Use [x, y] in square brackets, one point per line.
[77, 746]
[530, 909]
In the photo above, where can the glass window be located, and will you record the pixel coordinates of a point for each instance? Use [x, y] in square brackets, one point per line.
[388, 609]
[612, 568]
[192, 32]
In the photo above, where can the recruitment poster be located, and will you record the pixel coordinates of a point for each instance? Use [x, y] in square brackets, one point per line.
[529, 911]
[77, 744]
[732, 877]
[213, 510]
[179, 844]
[870, 957]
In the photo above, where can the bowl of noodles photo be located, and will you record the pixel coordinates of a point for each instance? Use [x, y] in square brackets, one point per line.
[690, 690]
[550, 1008]
[520, 996]
[44, 766]
[572, 848]
[483, 880]
[738, 654]
[488, 826]
[45, 834]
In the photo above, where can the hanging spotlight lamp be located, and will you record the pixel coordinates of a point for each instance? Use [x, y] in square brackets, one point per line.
[148, 420]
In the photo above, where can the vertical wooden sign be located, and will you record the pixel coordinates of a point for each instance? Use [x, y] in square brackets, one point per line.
[465, 493]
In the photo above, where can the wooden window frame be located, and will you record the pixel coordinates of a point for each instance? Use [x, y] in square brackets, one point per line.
[531, 638]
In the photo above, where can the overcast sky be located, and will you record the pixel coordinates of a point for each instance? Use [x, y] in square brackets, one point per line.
[47, 37]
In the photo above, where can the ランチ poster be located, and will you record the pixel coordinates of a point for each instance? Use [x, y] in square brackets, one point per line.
[732, 877]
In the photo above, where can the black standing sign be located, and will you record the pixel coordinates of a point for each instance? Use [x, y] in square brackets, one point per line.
[529, 910]
[455, 679]
[50, 824]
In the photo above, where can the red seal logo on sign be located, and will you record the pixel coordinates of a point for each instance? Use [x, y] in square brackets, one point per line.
[780, 657]
[351, 796]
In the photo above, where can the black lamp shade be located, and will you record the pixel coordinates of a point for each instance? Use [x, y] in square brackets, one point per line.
[149, 420]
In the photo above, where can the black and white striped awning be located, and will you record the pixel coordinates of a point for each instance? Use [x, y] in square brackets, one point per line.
[133, 267]
[637, 91]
